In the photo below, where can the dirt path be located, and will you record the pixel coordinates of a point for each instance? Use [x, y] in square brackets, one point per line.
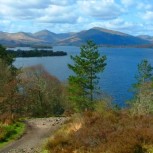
[34, 138]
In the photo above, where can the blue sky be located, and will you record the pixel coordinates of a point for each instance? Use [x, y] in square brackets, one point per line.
[129, 16]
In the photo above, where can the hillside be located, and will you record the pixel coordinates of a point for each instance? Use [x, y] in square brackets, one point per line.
[103, 37]
[51, 37]
[46, 35]
[100, 36]
[146, 37]
[20, 38]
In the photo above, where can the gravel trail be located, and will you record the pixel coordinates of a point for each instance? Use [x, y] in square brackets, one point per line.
[38, 130]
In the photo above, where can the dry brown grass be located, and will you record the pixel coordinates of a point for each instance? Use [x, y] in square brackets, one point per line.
[114, 132]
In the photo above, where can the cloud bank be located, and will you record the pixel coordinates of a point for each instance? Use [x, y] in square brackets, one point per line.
[129, 16]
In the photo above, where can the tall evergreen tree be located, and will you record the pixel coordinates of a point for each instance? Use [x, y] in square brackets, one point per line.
[83, 84]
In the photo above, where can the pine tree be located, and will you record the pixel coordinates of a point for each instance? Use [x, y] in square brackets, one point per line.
[83, 85]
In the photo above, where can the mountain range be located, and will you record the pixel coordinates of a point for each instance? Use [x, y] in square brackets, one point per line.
[100, 36]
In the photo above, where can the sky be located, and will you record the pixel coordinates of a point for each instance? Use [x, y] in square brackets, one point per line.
[133, 17]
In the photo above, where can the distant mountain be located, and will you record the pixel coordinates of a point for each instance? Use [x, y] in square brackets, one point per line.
[103, 37]
[20, 38]
[99, 35]
[146, 37]
[51, 37]
[46, 35]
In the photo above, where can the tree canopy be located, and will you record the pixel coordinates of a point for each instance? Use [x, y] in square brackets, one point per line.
[141, 102]
[83, 84]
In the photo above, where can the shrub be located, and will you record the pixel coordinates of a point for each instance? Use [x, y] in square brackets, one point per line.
[114, 132]
[8, 132]
[2, 132]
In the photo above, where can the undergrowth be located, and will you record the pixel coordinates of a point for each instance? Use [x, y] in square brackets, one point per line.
[10, 132]
[109, 132]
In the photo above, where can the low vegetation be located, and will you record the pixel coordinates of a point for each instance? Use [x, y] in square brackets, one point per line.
[100, 127]
[109, 132]
[96, 125]
[141, 103]
[29, 92]
[10, 132]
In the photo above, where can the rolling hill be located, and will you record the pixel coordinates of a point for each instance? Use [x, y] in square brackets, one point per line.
[99, 35]
[18, 39]
[103, 37]
[146, 37]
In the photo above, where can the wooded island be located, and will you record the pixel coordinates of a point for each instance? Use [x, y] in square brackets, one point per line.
[36, 53]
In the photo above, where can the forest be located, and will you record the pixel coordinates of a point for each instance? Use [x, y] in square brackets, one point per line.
[96, 124]
[35, 53]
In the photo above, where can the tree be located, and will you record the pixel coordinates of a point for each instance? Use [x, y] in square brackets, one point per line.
[144, 72]
[142, 102]
[43, 92]
[5, 56]
[83, 84]
[9, 97]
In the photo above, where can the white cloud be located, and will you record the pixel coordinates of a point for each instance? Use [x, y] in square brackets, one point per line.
[84, 20]
[104, 9]
[58, 14]
[129, 16]
[63, 2]
[144, 6]
[4, 24]
[50, 11]
[26, 4]
[128, 3]
[114, 24]
[68, 11]
[118, 25]
[12, 13]
[148, 15]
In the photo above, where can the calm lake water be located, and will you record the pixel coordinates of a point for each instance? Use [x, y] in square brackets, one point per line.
[117, 77]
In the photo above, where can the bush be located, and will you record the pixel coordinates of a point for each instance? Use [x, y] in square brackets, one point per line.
[114, 132]
[8, 132]
[2, 132]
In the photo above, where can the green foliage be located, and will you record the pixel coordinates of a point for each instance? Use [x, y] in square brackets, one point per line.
[10, 132]
[144, 72]
[101, 106]
[35, 53]
[6, 56]
[142, 102]
[83, 85]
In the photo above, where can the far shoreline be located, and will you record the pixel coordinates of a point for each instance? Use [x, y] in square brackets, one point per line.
[150, 46]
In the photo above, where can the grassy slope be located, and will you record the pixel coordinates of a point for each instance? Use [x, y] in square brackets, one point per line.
[10, 133]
